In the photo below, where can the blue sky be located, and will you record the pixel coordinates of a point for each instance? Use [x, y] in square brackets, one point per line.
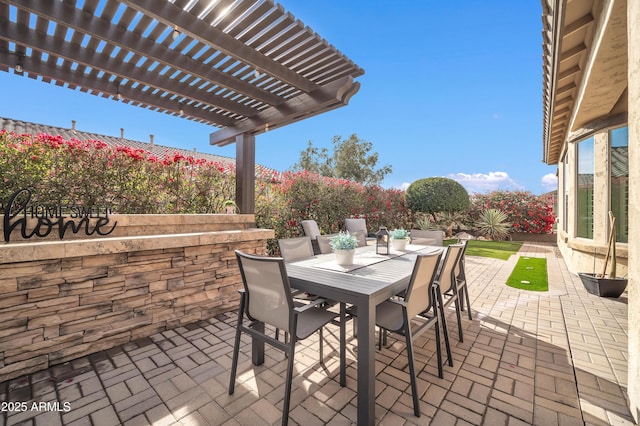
[450, 89]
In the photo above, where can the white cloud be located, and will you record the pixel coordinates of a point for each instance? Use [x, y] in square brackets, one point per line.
[481, 182]
[549, 181]
[404, 186]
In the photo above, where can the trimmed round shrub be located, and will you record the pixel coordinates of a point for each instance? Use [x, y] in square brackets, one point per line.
[437, 194]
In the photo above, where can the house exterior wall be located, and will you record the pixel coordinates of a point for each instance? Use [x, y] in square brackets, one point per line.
[60, 300]
[592, 85]
[582, 254]
[633, 46]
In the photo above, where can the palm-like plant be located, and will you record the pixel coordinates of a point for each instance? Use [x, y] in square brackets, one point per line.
[493, 224]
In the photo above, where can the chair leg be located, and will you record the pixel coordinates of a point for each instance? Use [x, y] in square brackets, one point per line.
[466, 296]
[288, 384]
[412, 369]
[440, 308]
[458, 317]
[438, 348]
[236, 349]
[343, 344]
[438, 343]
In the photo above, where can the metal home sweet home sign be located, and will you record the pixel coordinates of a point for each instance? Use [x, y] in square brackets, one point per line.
[17, 212]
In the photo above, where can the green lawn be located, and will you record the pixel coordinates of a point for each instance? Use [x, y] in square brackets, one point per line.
[495, 249]
[530, 273]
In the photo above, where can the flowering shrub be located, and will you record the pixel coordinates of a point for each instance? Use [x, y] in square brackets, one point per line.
[304, 195]
[134, 181]
[527, 213]
[73, 172]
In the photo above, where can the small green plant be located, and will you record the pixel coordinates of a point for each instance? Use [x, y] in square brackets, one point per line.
[343, 241]
[399, 234]
[426, 223]
[493, 224]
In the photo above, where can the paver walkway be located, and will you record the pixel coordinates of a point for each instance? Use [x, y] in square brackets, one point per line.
[558, 357]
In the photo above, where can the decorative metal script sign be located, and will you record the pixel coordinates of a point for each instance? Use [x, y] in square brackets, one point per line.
[18, 211]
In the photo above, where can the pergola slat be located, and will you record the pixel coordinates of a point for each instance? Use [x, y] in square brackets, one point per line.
[168, 14]
[98, 28]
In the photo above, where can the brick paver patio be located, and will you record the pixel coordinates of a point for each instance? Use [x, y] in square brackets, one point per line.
[558, 357]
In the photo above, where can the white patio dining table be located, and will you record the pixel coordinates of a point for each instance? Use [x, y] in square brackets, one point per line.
[369, 281]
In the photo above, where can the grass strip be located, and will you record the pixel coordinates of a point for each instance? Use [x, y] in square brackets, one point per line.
[494, 249]
[530, 273]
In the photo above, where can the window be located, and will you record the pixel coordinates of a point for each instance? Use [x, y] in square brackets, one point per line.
[619, 197]
[584, 193]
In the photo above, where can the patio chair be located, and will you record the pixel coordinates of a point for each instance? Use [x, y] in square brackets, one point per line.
[311, 230]
[361, 236]
[295, 248]
[427, 237]
[324, 243]
[461, 280]
[266, 299]
[300, 248]
[447, 285]
[396, 315]
[355, 226]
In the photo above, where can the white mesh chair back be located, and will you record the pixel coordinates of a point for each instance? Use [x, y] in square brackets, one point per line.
[361, 236]
[295, 248]
[324, 243]
[445, 278]
[419, 296]
[310, 228]
[267, 287]
[460, 265]
[426, 237]
[353, 225]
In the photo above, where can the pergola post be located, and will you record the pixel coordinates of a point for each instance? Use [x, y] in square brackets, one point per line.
[245, 173]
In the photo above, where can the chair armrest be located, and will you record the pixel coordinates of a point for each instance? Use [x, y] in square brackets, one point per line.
[310, 305]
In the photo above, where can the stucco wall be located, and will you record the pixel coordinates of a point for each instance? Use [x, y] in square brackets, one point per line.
[581, 254]
[65, 299]
[578, 253]
[633, 17]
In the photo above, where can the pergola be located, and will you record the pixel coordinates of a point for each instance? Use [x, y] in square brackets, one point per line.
[242, 66]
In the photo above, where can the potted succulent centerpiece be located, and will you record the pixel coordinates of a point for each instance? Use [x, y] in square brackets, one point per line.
[399, 239]
[344, 246]
[601, 284]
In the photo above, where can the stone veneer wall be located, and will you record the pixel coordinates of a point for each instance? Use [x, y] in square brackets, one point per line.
[60, 300]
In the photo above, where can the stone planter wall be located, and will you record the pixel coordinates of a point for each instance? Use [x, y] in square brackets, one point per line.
[534, 238]
[60, 300]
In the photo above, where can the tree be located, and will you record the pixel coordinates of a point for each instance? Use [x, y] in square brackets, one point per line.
[437, 195]
[316, 161]
[350, 160]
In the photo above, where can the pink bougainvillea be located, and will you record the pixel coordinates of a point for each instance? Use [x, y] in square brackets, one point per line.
[527, 213]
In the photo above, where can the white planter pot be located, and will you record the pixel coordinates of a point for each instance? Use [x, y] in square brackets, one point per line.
[399, 245]
[344, 257]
